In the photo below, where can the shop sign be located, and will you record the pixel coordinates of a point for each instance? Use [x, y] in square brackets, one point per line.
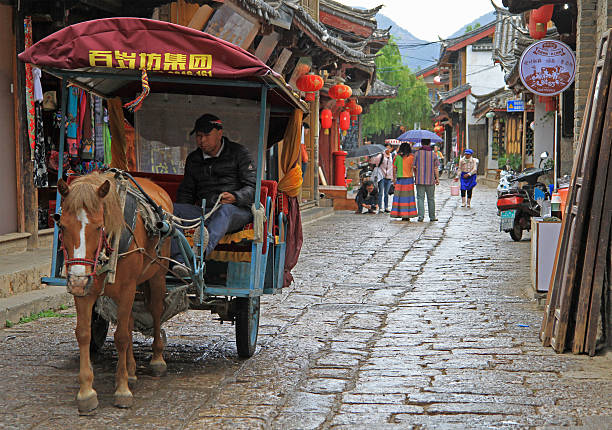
[547, 67]
[515, 106]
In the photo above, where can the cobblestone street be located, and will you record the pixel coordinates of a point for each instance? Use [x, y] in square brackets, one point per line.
[388, 325]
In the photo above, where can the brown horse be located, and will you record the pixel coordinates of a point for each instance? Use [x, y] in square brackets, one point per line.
[91, 217]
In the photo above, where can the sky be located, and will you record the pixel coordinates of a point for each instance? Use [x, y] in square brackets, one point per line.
[430, 18]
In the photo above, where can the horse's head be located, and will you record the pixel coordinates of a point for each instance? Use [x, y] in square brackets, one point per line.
[82, 232]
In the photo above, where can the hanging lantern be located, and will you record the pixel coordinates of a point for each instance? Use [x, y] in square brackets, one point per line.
[345, 122]
[309, 84]
[437, 80]
[490, 115]
[538, 21]
[326, 120]
[352, 102]
[340, 92]
[354, 110]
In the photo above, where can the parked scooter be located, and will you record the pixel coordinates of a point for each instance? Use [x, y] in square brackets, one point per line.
[518, 205]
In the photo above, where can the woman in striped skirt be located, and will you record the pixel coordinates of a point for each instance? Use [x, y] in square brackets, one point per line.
[404, 204]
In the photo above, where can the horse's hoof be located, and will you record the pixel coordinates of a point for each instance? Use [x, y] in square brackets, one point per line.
[124, 401]
[88, 406]
[159, 369]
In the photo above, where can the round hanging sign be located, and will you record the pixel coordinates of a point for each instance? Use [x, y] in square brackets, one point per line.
[547, 67]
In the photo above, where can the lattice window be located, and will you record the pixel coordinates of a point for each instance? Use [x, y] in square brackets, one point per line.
[312, 7]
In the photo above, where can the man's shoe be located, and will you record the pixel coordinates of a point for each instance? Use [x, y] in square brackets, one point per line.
[180, 271]
[388, 210]
[420, 220]
[433, 219]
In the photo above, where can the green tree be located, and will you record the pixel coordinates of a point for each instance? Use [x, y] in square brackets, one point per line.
[412, 102]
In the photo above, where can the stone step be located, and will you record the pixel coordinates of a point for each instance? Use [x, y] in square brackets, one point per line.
[21, 272]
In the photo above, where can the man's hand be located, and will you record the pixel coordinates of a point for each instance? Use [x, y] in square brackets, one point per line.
[227, 198]
[437, 181]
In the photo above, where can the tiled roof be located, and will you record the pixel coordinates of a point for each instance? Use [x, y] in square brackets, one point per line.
[510, 40]
[380, 89]
[491, 101]
[334, 44]
[445, 95]
[519, 6]
[426, 70]
[365, 17]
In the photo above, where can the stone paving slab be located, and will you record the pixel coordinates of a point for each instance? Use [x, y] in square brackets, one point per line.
[388, 325]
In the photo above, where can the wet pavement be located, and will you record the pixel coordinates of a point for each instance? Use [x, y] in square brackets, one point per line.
[388, 325]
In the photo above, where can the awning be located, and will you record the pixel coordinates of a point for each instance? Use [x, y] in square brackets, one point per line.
[138, 43]
[107, 56]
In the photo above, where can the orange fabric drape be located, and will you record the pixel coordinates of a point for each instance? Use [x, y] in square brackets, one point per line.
[117, 129]
[291, 182]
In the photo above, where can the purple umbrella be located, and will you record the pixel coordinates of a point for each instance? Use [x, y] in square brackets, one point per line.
[418, 135]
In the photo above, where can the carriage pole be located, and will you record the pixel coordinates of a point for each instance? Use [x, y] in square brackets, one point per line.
[60, 172]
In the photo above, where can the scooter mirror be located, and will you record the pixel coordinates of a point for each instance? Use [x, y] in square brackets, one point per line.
[544, 155]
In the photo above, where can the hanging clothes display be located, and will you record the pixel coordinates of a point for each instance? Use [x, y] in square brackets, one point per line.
[98, 121]
[71, 121]
[41, 177]
[86, 128]
[29, 88]
[106, 135]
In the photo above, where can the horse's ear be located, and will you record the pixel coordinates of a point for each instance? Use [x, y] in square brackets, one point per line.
[104, 189]
[62, 187]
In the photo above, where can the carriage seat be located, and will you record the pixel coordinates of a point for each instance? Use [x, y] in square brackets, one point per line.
[234, 246]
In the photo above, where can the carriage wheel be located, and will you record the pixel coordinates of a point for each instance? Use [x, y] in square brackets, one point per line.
[99, 329]
[247, 325]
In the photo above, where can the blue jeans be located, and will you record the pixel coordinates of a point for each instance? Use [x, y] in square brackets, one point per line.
[383, 192]
[430, 190]
[226, 219]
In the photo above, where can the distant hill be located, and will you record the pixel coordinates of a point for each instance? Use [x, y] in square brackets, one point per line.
[415, 55]
[485, 19]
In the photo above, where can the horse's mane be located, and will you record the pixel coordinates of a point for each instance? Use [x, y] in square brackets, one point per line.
[84, 194]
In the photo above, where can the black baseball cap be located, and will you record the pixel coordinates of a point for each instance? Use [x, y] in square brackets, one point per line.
[206, 123]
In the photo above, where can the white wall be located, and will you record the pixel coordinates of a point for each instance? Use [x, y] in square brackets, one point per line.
[543, 134]
[483, 75]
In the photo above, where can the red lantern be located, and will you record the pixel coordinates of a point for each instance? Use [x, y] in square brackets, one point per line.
[538, 21]
[309, 84]
[351, 104]
[340, 92]
[437, 80]
[326, 120]
[355, 110]
[345, 122]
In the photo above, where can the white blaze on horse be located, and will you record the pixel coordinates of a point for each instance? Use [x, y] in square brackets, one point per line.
[91, 217]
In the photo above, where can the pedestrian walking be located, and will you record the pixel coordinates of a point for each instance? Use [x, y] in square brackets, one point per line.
[383, 174]
[404, 205]
[468, 169]
[426, 177]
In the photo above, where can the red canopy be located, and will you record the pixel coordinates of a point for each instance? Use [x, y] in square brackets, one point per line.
[138, 43]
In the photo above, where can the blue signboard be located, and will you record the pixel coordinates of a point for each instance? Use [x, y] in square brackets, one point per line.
[515, 106]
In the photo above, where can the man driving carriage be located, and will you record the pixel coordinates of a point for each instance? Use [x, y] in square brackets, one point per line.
[218, 168]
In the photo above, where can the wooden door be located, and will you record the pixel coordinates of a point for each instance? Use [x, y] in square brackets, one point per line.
[478, 142]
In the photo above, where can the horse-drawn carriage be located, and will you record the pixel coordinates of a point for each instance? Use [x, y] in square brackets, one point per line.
[118, 271]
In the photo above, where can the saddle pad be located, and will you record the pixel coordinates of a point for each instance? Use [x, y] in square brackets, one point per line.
[129, 216]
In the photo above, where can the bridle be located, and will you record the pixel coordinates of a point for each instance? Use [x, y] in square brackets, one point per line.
[102, 247]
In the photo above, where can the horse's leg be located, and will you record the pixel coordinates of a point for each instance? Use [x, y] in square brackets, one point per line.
[87, 398]
[123, 395]
[131, 362]
[157, 291]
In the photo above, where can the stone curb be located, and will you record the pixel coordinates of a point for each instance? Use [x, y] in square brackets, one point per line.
[21, 305]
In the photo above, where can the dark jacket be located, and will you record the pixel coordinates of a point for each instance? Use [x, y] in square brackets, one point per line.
[362, 194]
[232, 171]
